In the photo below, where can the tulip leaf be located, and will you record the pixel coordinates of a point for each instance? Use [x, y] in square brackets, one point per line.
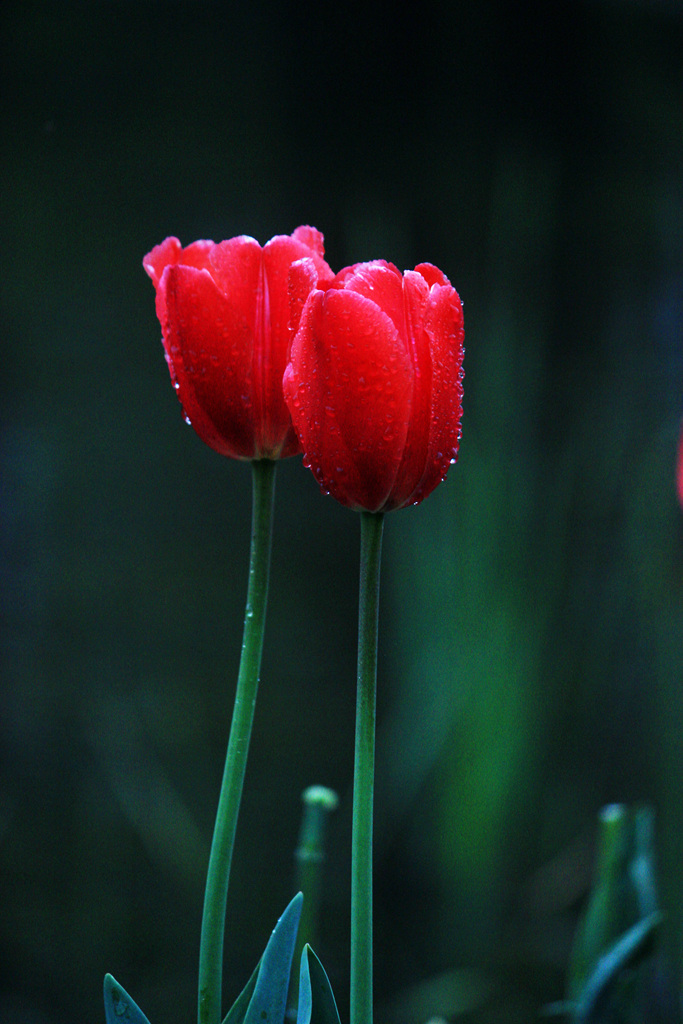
[238, 1010]
[119, 1008]
[264, 998]
[316, 1000]
[626, 952]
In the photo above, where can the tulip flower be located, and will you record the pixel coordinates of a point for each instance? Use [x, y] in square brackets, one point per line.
[374, 387]
[225, 319]
[374, 381]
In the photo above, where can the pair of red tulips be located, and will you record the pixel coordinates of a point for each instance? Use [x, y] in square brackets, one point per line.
[271, 354]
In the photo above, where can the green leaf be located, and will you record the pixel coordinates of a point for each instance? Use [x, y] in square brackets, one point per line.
[269, 999]
[238, 1010]
[609, 912]
[625, 953]
[305, 1008]
[119, 1008]
[316, 1000]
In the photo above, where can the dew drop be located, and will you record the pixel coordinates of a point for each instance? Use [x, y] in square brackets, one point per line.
[187, 420]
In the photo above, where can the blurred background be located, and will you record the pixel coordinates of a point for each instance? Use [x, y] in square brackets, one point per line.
[531, 661]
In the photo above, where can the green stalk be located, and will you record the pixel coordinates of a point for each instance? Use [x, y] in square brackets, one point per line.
[213, 920]
[319, 802]
[364, 770]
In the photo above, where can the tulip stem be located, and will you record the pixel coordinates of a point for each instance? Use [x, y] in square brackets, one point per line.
[215, 898]
[364, 770]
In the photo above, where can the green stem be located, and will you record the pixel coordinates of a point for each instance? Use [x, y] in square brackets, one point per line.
[364, 770]
[319, 802]
[213, 920]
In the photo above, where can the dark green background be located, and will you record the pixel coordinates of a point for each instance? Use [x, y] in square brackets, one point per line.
[532, 612]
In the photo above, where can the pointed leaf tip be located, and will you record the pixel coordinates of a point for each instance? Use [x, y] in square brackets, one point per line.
[119, 1008]
[317, 1004]
[269, 1000]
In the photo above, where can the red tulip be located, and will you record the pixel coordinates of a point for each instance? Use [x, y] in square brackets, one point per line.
[225, 319]
[374, 381]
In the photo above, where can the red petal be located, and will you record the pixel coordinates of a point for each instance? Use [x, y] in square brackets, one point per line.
[311, 238]
[380, 282]
[431, 274]
[445, 330]
[349, 389]
[236, 266]
[171, 253]
[279, 255]
[415, 296]
[435, 338]
[302, 279]
[209, 345]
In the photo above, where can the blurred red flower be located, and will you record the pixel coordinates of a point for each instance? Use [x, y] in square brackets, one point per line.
[374, 381]
[225, 320]
[679, 468]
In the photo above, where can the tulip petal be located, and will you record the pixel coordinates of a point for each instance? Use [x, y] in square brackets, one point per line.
[381, 282]
[255, 280]
[208, 343]
[445, 329]
[311, 238]
[169, 253]
[349, 390]
[236, 266]
[301, 280]
[431, 274]
[415, 297]
[279, 254]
